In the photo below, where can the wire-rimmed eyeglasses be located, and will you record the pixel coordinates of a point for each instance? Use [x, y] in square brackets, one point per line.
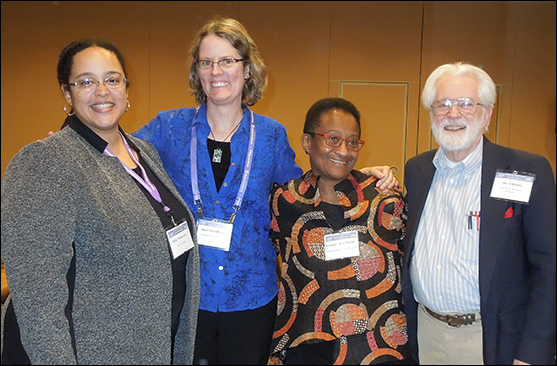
[224, 63]
[111, 82]
[464, 105]
[334, 140]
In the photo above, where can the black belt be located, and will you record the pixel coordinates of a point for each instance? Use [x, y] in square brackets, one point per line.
[453, 320]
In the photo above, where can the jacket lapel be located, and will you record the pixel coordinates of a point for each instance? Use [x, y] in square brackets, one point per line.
[418, 186]
[492, 215]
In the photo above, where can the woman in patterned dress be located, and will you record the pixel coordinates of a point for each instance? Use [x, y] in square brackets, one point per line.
[337, 235]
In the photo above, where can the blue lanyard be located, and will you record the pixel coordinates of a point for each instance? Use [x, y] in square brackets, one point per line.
[245, 175]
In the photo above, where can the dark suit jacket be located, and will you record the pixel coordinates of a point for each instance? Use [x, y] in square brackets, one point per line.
[517, 257]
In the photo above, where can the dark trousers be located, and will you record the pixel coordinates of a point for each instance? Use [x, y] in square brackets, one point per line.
[13, 352]
[322, 353]
[236, 337]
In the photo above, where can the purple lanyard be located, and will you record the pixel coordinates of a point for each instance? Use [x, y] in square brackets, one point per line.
[245, 175]
[145, 182]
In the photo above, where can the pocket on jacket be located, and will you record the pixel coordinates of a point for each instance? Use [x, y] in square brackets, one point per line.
[512, 321]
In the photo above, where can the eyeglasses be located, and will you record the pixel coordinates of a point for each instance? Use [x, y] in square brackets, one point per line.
[111, 82]
[464, 106]
[333, 140]
[225, 63]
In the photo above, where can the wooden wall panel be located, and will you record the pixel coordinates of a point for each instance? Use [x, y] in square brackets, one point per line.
[477, 32]
[378, 44]
[293, 37]
[310, 48]
[126, 24]
[173, 26]
[384, 119]
[532, 122]
[375, 41]
[515, 43]
[30, 93]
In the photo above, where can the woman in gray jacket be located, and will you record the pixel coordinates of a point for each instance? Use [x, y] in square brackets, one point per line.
[100, 249]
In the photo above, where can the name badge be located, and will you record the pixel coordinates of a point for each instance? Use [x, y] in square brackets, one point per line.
[214, 233]
[513, 186]
[180, 239]
[341, 245]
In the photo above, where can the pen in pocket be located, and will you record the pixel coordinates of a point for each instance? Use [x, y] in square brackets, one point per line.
[475, 214]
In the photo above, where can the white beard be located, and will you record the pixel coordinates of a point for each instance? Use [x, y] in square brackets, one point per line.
[461, 140]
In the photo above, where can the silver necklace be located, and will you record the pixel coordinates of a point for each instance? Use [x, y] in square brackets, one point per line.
[217, 154]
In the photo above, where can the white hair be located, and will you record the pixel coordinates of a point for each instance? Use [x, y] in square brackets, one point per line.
[486, 87]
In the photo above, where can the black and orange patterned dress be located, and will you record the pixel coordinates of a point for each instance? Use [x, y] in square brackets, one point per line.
[354, 303]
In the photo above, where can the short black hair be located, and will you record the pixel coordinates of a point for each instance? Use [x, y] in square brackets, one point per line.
[324, 105]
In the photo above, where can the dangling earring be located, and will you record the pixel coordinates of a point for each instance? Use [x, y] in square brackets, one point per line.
[69, 114]
[129, 106]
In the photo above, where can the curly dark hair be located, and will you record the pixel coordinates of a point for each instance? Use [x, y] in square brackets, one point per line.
[324, 105]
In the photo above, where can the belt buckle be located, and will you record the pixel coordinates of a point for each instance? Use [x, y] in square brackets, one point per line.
[458, 320]
[451, 321]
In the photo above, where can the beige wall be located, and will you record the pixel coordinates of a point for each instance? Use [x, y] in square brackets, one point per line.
[377, 54]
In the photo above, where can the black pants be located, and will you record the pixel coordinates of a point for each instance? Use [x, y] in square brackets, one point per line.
[322, 354]
[236, 337]
[13, 352]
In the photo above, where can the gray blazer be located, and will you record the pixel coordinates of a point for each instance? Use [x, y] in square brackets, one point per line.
[64, 200]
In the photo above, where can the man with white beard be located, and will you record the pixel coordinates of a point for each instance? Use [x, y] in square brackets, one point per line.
[479, 269]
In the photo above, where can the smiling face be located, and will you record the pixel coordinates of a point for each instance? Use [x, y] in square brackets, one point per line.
[458, 134]
[102, 108]
[333, 164]
[222, 87]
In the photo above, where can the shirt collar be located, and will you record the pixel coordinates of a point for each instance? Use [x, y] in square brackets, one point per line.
[201, 116]
[90, 136]
[346, 186]
[467, 165]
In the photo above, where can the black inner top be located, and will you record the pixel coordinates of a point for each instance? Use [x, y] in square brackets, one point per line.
[180, 214]
[219, 169]
[334, 215]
